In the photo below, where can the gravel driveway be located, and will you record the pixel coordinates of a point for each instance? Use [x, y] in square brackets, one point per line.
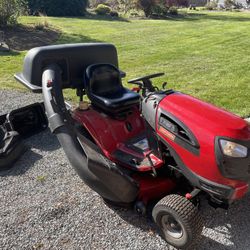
[45, 205]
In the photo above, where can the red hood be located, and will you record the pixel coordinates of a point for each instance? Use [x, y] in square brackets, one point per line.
[222, 122]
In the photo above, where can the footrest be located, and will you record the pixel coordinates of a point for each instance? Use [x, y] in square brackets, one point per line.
[133, 154]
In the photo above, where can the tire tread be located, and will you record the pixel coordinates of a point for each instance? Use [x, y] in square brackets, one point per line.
[187, 211]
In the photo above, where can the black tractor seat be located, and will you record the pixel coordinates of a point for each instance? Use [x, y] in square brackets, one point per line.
[105, 91]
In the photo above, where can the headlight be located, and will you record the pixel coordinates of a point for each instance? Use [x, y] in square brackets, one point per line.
[233, 149]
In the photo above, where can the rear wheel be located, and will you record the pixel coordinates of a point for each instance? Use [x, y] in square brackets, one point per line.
[179, 221]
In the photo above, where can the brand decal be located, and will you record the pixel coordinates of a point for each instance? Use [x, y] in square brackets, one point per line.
[167, 133]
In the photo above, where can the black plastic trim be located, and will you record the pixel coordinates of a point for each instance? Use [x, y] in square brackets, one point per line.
[193, 145]
[149, 106]
[20, 78]
[197, 180]
[233, 167]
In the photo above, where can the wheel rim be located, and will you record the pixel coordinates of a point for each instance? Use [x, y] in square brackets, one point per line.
[171, 226]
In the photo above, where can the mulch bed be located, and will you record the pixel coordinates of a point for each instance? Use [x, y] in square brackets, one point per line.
[21, 37]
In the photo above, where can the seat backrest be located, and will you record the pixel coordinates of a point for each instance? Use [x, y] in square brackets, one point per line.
[102, 79]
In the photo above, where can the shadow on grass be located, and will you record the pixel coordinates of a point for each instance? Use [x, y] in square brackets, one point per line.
[76, 38]
[203, 16]
[9, 53]
[93, 16]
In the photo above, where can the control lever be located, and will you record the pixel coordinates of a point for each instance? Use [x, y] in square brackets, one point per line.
[151, 163]
[164, 85]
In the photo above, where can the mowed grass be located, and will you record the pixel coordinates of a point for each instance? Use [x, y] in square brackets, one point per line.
[203, 54]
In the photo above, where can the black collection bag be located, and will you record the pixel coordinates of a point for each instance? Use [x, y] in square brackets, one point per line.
[16, 125]
[11, 147]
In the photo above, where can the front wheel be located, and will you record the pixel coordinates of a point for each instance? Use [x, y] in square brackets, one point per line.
[179, 221]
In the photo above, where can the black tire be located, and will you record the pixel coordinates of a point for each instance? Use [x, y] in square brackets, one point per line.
[140, 208]
[179, 221]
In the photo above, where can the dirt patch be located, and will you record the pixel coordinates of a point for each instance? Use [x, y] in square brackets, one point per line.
[27, 37]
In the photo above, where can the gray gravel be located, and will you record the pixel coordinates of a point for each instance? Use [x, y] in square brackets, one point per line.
[45, 205]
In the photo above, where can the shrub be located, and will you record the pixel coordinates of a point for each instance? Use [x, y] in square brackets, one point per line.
[160, 7]
[125, 5]
[114, 13]
[236, 5]
[58, 7]
[102, 9]
[43, 24]
[232, 4]
[173, 11]
[146, 6]
[94, 3]
[211, 5]
[159, 10]
[229, 4]
[134, 14]
[39, 26]
[118, 5]
[10, 10]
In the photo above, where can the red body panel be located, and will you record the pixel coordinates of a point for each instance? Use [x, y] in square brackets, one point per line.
[152, 188]
[107, 132]
[206, 122]
[112, 134]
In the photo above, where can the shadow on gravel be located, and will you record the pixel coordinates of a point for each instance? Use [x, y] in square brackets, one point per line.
[36, 146]
[45, 141]
[224, 229]
[128, 214]
[227, 229]
[21, 165]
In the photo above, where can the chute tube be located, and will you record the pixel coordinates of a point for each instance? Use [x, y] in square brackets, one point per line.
[101, 175]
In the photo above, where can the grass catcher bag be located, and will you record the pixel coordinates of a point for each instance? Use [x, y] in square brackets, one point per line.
[16, 125]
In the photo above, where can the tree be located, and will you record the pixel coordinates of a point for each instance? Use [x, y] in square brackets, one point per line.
[58, 7]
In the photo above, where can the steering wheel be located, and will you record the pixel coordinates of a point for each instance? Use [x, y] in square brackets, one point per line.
[145, 84]
[143, 78]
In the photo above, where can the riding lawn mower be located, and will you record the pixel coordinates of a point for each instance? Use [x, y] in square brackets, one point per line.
[141, 146]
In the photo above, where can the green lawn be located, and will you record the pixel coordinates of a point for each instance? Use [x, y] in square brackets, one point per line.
[203, 54]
